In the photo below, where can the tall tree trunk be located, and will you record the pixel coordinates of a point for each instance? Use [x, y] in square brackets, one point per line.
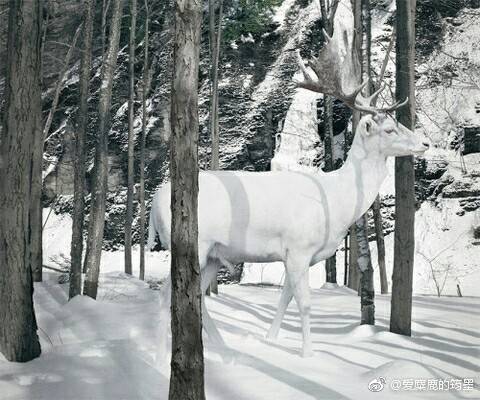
[105, 8]
[327, 22]
[378, 220]
[131, 104]
[145, 87]
[22, 123]
[99, 192]
[59, 87]
[353, 275]
[367, 292]
[79, 160]
[36, 211]
[377, 211]
[404, 241]
[187, 366]
[215, 46]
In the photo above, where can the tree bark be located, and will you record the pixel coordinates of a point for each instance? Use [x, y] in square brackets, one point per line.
[100, 183]
[215, 46]
[353, 275]
[145, 84]
[187, 366]
[377, 211]
[131, 104]
[36, 210]
[367, 292]
[22, 123]
[327, 22]
[404, 240]
[380, 239]
[79, 160]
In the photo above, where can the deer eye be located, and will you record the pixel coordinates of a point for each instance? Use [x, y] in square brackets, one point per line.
[389, 131]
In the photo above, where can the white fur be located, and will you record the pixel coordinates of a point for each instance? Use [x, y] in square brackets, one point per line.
[294, 217]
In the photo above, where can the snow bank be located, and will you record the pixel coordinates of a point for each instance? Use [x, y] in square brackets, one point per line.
[107, 349]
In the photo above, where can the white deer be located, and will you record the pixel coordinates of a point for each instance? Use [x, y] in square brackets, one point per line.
[295, 217]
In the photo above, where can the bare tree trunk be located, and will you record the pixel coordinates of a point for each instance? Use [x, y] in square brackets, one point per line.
[367, 292]
[377, 211]
[353, 275]
[79, 160]
[377, 218]
[131, 104]
[327, 22]
[99, 192]
[404, 247]
[36, 210]
[59, 87]
[145, 87]
[22, 123]
[187, 366]
[105, 8]
[215, 46]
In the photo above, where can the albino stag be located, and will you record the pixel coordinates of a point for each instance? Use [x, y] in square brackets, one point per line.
[295, 217]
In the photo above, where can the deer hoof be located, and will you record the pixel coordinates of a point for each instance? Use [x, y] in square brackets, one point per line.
[307, 353]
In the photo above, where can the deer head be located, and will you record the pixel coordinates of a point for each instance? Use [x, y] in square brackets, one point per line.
[338, 76]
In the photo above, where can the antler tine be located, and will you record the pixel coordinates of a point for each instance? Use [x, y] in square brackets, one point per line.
[395, 106]
[373, 98]
[308, 82]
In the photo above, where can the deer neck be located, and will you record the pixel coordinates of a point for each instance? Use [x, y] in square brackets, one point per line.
[364, 171]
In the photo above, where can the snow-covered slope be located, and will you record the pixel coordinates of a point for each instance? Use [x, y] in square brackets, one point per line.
[107, 349]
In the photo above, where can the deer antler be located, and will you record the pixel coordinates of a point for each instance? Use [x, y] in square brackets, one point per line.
[338, 76]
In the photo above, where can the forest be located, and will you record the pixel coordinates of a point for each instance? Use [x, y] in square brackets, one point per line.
[245, 199]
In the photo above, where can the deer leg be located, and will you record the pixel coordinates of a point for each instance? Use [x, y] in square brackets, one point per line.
[299, 282]
[285, 299]
[208, 272]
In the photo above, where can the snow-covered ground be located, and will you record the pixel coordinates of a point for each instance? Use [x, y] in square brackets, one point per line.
[107, 349]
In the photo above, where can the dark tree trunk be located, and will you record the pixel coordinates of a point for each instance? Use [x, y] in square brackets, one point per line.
[353, 274]
[215, 46]
[367, 292]
[404, 241]
[145, 87]
[377, 218]
[377, 211]
[21, 125]
[187, 367]
[79, 160]
[36, 210]
[330, 165]
[131, 154]
[99, 192]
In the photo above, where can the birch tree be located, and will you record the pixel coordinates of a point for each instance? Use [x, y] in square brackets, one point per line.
[187, 366]
[79, 159]
[364, 259]
[404, 240]
[131, 154]
[100, 183]
[22, 125]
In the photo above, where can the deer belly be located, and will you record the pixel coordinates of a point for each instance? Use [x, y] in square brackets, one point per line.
[250, 250]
